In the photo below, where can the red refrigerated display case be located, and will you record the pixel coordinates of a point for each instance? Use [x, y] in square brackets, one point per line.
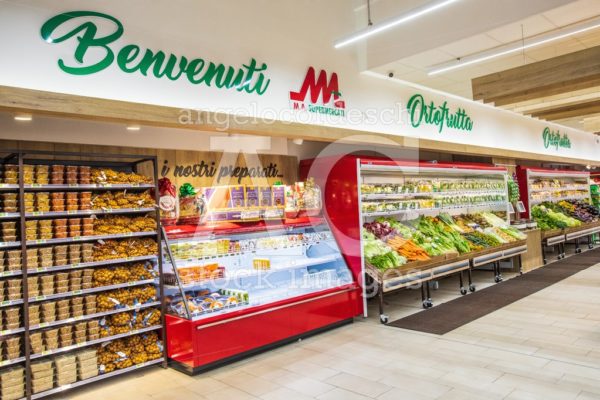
[343, 178]
[537, 185]
[250, 286]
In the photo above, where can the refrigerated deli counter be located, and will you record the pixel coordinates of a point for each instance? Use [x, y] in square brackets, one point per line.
[238, 287]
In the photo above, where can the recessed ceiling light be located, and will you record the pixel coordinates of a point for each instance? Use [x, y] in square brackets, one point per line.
[392, 22]
[133, 127]
[298, 141]
[515, 46]
[23, 117]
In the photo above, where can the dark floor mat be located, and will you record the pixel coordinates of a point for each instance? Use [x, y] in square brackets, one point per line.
[448, 316]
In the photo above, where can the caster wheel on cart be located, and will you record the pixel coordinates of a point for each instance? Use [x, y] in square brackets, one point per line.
[463, 291]
[590, 246]
[427, 304]
[498, 279]
[472, 288]
[577, 251]
[384, 319]
[545, 261]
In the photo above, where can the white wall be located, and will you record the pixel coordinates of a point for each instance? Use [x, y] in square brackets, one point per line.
[233, 33]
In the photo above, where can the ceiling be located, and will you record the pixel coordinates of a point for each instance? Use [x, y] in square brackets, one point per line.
[408, 52]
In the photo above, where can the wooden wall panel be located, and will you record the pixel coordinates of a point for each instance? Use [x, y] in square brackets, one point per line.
[169, 160]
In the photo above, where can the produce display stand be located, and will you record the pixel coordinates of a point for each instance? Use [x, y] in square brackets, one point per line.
[342, 179]
[120, 162]
[307, 288]
[538, 185]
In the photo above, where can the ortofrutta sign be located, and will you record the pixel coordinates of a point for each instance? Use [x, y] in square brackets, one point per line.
[83, 28]
[318, 94]
[555, 139]
[419, 111]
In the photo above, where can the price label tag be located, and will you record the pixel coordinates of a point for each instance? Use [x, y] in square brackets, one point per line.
[39, 298]
[36, 185]
[73, 185]
[40, 241]
[41, 269]
[76, 292]
[106, 184]
[3, 185]
[44, 324]
[128, 234]
[4, 332]
[3, 214]
[135, 184]
[75, 265]
[128, 258]
[5, 303]
[71, 212]
[3, 363]
[45, 353]
[76, 238]
[37, 213]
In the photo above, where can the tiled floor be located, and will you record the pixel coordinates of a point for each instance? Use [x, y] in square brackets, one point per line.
[546, 346]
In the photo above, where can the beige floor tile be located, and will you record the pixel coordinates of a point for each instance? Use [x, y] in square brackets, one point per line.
[250, 384]
[341, 394]
[307, 386]
[284, 393]
[356, 384]
[229, 394]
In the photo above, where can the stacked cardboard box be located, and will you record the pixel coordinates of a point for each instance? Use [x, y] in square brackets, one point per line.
[87, 364]
[66, 369]
[42, 376]
[12, 383]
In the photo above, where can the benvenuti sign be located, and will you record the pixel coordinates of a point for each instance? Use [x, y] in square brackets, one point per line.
[420, 112]
[555, 139]
[249, 78]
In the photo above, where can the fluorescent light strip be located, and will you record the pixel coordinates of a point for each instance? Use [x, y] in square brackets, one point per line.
[515, 47]
[390, 23]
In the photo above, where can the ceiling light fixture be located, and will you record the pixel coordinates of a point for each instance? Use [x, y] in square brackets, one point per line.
[392, 22]
[23, 117]
[133, 127]
[515, 47]
[298, 141]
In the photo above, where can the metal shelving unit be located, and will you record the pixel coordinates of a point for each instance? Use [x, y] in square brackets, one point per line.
[118, 372]
[122, 162]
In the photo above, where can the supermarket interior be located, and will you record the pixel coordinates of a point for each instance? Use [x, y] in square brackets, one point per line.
[185, 213]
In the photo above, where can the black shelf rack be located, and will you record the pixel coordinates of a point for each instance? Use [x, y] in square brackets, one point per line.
[119, 162]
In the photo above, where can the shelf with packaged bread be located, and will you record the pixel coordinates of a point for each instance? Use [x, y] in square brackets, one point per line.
[71, 215]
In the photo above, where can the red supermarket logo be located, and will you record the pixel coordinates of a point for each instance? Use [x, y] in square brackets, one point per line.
[324, 96]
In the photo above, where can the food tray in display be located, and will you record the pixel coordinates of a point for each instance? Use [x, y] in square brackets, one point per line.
[199, 314]
[97, 341]
[90, 238]
[76, 213]
[95, 379]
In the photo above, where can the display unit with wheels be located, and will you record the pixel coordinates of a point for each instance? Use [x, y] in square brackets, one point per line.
[398, 221]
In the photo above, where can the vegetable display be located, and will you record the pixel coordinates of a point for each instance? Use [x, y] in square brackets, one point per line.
[547, 218]
[408, 249]
[380, 255]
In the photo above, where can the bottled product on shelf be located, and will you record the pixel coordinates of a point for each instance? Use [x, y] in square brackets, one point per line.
[91, 277]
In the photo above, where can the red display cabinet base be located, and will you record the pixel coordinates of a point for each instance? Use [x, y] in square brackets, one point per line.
[197, 346]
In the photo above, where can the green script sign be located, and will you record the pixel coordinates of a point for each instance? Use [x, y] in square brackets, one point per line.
[554, 139]
[440, 116]
[130, 58]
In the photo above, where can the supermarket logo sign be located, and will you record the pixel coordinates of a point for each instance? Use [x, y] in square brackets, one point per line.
[324, 96]
[555, 139]
[421, 112]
